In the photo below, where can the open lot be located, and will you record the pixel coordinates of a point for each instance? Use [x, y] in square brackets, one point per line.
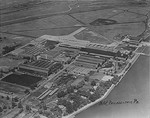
[110, 31]
[42, 24]
[81, 14]
[147, 50]
[51, 8]
[23, 79]
[9, 63]
[98, 76]
[128, 17]
[93, 37]
[9, 40]
[49, 31]
[12, 88]
[141, 10]
[88, 17]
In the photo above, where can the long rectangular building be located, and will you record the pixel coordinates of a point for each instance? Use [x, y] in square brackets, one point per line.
[91, 59]
[42, 67]
[103, 52]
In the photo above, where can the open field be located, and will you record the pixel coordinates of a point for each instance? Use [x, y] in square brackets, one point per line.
[93, 37]
[128, 17]
[98, 76]
[140, 10]
[9, 63]
[88, 17]
[56, 31]
[45, 23]
[43, 26]
[12, 88]
[147, 50]
[11, 7]
[110, 31]
[60, 6]
[12, 40]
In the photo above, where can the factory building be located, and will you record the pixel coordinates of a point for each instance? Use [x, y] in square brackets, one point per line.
[89, 61]
[42, 67]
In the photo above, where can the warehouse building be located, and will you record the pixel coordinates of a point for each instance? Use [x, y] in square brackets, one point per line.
[89, 61]
[42, 67]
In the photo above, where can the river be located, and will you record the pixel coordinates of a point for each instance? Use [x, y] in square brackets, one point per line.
[134, 86]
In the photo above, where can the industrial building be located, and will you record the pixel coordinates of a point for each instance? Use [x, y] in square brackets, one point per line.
[30, 50]
[89, 61]
[42, 67]
[103, 52]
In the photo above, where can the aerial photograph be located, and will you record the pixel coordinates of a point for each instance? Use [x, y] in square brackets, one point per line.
[74, 58]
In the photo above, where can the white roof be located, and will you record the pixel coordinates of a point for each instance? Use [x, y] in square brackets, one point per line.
[106, 78]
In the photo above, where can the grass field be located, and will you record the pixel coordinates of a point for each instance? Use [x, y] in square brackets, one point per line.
[12, 40]
[45, 23]
[147, 50]
[111, 31]
[88, 17]
[12, 88]
[141, 10]
[55, 32]
[128, 17]
[9, 63]
[93, 37]
[98, 76]
[37, 11]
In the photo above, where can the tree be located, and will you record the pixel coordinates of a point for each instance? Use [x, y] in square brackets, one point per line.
[1, 109]
[86, 78]
[26, 91]
[16, 99]
[61, 94]
[2, 97]
[7, 98]
[14, 104]
[70, 89]
[20, 105]
[107, 84]
[44, 107]
[74, 97]
[93, 83]
[118, 53]
[81, 84]
[37, 117]
[57, 111]
[100, 91]
[4, 107]
[75, 105]
[83, 93]
[28, 108]
[69, 107]
[67, 104]
[93, 97]
[61, 101]
[102, 84]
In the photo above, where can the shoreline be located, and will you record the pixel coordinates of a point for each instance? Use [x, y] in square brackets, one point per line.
[106, 94]
[90, 104]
